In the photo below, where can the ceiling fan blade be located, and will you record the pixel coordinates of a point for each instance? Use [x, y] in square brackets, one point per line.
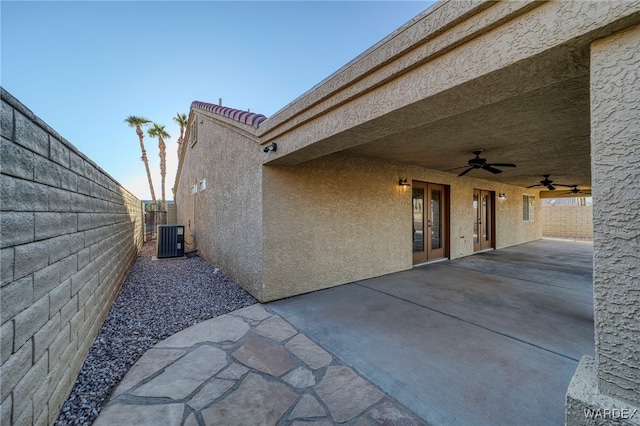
[551, 187]
[501, 164]
[532, 186]
[466, 171]
[455, 168]
[491, 169]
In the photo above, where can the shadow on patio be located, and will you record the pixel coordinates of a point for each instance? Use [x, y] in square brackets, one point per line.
[490, 339]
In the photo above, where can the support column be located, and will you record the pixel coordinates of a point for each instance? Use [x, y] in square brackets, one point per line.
[607, 388]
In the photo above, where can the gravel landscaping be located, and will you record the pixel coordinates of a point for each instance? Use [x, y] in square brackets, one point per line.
[159, 298]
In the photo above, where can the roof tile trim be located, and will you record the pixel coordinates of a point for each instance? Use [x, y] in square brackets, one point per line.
[245, 117]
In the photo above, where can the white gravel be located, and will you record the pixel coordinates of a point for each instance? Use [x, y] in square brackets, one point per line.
[159, 298]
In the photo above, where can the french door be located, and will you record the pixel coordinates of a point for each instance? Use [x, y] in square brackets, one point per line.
[484, 219]
[430, 221]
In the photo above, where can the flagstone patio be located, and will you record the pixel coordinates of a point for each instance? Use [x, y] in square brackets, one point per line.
[246, 367]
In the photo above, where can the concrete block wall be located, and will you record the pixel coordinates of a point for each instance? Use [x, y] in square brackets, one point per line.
[567, 221]
[69, 235]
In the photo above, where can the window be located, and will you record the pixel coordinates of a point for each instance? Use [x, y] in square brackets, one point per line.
[528, 207]
[203, 185]
[194, 189]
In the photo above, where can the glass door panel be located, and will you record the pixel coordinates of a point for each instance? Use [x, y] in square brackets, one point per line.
[487, 206]
[418, 220]
[476, 216]
[483, 226]
[435, 222]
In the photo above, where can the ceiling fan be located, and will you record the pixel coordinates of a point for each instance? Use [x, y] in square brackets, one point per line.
[576, 191]
[549, 183]
[481, 163]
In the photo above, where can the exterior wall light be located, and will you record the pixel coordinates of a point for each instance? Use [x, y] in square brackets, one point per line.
[403, 183]
[271, 147]
[502, 196]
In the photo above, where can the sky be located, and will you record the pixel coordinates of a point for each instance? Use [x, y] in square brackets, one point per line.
[84, 66]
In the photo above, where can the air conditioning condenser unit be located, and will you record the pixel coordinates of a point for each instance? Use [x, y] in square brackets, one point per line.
[170, 241]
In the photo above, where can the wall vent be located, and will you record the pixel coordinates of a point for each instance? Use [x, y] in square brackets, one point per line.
[170, 241]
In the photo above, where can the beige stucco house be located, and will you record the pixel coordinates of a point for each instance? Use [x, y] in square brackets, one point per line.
[358, 177]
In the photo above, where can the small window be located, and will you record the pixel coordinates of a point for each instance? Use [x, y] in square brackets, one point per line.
[528, 207]
[194, 189]
[203, 185]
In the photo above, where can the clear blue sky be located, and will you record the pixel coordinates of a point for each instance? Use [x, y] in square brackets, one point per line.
[84, 66]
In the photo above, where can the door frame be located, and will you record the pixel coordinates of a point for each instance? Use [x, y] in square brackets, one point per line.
[429, 253]
[482, 220]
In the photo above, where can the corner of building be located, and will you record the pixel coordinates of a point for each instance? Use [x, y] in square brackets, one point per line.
[586, 406]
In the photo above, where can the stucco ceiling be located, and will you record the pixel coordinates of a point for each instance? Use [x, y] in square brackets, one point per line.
[545, 131]
[533, 113]
[530, 108]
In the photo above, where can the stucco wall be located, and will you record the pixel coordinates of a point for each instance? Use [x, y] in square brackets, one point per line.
[611, 381]
[224, 221]
[567, 221]
[70, 233]
[615, 147]
[343, 218]
[331, 221]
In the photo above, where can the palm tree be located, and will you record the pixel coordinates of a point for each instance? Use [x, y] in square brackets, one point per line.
[157, 131]
[181, 120]
[138, 122]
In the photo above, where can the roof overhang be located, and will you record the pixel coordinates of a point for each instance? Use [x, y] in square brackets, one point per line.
[509, 77]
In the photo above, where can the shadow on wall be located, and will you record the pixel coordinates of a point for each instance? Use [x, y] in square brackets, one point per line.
[69, 235]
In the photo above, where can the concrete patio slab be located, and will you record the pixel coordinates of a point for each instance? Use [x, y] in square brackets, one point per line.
[469, 341]
[519, 308]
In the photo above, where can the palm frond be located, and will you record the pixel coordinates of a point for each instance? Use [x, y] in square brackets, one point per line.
[158, 131]
[181, 119]
[135, 120]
